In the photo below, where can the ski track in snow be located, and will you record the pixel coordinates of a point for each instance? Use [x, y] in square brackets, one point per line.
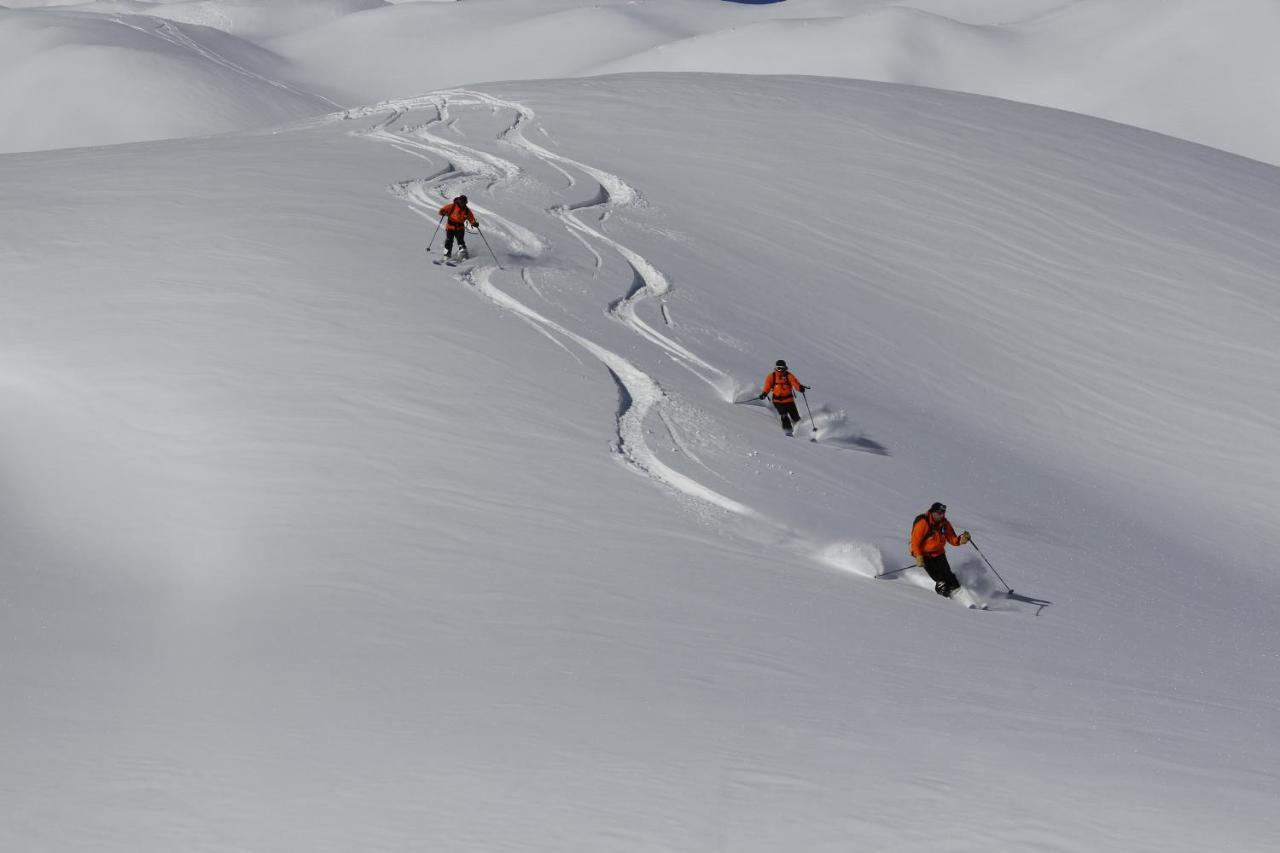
[649, 281]
[172, 33]
[639, 393]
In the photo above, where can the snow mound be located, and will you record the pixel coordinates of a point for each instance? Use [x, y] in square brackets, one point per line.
[1195, 70]
[70, 79]
[249, 19]
[432, 46]
[1140, 62]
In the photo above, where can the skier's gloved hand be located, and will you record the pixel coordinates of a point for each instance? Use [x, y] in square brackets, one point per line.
[920, 560]
[965, 537]
[762, 396]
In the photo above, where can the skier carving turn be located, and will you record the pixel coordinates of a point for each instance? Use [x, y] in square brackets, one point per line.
[930, 534]
[455, 230]
[784, 385]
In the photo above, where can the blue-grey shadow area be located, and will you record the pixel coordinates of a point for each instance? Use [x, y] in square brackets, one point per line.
[833, 426]
[837, 430]
[860, 443]
[978, 579]
[1038, 603]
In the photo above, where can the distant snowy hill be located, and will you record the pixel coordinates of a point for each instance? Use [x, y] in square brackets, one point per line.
[1196, 70]
[72, 79]
[308, 543]
[1187, 68]
[250, 19]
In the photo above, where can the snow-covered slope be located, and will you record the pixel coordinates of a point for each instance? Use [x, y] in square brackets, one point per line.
[311, 544]
[249, 19]
[1188, 68]
[72, 79]
[1196, 70]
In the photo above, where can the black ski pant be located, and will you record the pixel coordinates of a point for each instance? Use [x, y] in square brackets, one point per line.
[450, 235]
[940, 570]
[790, 415]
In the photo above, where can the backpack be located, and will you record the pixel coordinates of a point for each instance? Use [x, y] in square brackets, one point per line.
[914, 522]
[786, 380]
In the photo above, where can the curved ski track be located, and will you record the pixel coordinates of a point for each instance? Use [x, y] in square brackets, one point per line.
[639, 393]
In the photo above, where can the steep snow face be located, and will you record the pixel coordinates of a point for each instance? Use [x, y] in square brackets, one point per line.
[308, 541]
[73, 79]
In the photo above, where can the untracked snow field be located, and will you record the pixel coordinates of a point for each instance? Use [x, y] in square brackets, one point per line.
[309, 543]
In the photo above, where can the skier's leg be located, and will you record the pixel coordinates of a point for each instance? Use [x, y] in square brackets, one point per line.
[944, 580]
[793, 412]
[949, 578]
[931, 568]
[448, 242]
[782, 413]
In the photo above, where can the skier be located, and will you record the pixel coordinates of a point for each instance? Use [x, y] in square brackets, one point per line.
[456, 229]
[930, 535]
[783, 384]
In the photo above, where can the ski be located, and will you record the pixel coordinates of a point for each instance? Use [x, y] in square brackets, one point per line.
[448, 262]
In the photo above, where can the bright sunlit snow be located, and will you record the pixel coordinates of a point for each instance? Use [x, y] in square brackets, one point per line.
[311, 542]
[1203, 71]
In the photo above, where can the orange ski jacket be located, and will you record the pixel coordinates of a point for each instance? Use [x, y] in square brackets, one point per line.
[928, 540]
[784, 385]
[459, 216]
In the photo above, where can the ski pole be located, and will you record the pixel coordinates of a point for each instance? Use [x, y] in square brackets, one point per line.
[895, 571]
[486, 242]
[812, 425]
[988, 562]
[434, 233]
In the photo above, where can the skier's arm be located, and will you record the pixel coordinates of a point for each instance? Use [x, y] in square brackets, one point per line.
[768, 386]
[951, 534]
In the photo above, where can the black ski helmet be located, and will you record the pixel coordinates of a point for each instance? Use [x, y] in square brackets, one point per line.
[781, 364]
[938, 506]
[462, 200]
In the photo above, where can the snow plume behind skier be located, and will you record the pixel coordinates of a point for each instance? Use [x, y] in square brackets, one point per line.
[784, 385]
